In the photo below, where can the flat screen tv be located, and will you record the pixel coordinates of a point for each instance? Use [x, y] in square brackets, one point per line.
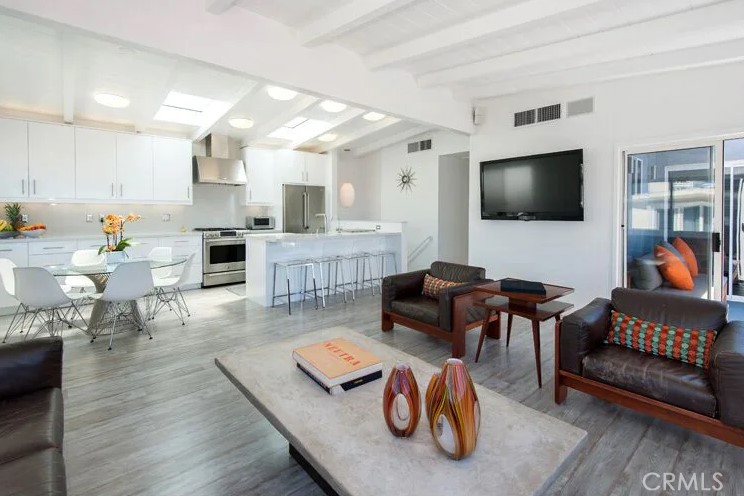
[537, 187]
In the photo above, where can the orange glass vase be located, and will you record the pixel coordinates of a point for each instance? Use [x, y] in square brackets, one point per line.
[401, 401]
[453, 410]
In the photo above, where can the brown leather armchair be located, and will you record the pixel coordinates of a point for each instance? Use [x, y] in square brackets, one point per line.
[709, 401]
[403, 303]
[31, 418]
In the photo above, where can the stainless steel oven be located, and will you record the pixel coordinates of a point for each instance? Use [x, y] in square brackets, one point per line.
[223, 256]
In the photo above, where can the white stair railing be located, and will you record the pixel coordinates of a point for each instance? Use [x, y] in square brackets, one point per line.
[416, 252]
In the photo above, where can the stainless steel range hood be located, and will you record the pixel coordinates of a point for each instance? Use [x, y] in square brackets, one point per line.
[215, 167]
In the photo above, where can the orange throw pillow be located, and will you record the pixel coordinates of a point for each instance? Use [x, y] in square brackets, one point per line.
[673, 269]
[686, 252]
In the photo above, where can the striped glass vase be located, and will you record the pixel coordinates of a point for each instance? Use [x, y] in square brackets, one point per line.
[453, 410]
[401, 401]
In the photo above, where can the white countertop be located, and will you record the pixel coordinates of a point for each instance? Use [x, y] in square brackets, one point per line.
[73, 237]
[298, 237]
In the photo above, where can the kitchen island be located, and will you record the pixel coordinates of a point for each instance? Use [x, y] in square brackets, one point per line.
[263, 250]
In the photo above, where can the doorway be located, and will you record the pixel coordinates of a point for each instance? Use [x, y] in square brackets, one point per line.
[733, 225]
[454, 184]
[672, 197]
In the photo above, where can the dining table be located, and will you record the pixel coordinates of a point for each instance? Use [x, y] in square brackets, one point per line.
[99, 274]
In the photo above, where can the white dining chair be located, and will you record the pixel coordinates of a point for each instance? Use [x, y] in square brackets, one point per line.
[129, 282]
[168, 292]
[7, 277]
[40, 294]
[83, 259]
[161, 254]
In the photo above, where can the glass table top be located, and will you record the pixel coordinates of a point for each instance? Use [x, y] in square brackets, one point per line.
[103, 269]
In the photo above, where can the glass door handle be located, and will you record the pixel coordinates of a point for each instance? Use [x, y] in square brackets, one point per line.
[716, 242]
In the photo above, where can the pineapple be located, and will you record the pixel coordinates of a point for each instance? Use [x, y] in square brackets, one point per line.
[14, 213]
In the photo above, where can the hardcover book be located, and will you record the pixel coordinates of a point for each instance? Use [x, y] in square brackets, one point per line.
[337, 362]
[520, 286]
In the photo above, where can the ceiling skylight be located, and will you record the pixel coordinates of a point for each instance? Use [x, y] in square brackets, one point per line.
[192, 110]
[111, 100]
[373, 116]
[328, 137]
[295, 122]
[300, 131]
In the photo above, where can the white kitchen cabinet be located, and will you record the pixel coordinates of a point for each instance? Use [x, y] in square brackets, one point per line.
[51, 161]
[290, 166]
[134, 167]
[260, 167]
[184, 246]
[95, 164]
[318, 168]
[41, 253]
[13, 159]
[172, 170]
[141, 246]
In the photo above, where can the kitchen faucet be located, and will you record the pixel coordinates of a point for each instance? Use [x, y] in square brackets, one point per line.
[325, 224]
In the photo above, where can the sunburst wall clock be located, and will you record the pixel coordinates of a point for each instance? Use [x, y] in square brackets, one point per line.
[406, 179]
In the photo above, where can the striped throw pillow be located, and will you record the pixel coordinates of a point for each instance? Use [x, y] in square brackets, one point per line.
[433, 286]
[686, 345]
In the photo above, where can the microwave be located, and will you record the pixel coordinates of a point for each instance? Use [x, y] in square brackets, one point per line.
[258, 223]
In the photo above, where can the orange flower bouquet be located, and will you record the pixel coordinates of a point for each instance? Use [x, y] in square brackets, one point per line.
[113, 228]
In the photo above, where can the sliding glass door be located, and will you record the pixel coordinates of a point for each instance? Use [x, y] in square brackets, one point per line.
[671, 202]
[733, 210]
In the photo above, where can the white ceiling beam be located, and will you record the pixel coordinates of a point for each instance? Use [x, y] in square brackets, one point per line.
[215, 116]
[333, 124]
[349, 16]
[472, 30]
[390, 140]
[717, 54]
[688, 29]
[299, 105]
[69, 73]
[357, 135]
[218, 7]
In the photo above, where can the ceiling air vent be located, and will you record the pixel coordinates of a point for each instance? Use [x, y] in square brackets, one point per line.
[524, 118]
[413, 147]
[549, 113]
[425, 145]
[578, 107]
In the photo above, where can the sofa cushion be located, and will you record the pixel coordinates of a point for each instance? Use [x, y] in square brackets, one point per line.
[673, 269]
[419, 308]
[659, 378]
[701, 289]
[688, 256]
[31, 423]
[645, 274]
[456, 272]
[433, 286]
[676, 343]
[658, 306]
[39, 474]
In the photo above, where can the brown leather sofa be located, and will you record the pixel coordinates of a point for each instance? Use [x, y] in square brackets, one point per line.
[709, 401]
[403, 303]
[31, 418]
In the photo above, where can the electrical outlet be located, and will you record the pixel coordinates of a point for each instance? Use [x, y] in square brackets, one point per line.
[88, 217]
[24, 217]
[166, 217]
[101, 217]
[378, 227]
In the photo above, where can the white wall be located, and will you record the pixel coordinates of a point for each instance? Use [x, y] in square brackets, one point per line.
[418, 207]
[453, 207]
[364, 174]
[643, 110]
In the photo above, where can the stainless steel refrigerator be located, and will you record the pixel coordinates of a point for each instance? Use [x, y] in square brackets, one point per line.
[302, 204]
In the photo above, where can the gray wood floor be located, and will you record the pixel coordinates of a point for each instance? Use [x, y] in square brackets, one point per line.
[158, 418]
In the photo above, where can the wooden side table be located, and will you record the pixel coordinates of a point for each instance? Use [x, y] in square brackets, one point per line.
[535, 307]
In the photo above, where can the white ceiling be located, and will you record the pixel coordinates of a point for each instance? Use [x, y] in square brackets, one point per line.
[488, 48]
[53, 73]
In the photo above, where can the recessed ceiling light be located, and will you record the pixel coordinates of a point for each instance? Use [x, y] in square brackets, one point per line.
[282, 94]
[333, 107]
[241, 122]
[109, 100]
[373, 116]
[328, 137]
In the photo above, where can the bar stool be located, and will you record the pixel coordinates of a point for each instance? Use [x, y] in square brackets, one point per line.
[353, 260]
[301, 267]
[334, 265]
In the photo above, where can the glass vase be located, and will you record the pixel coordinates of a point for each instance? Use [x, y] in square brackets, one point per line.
[401, 401]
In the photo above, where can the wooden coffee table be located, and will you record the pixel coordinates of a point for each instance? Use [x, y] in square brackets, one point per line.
[534, 307]
[343, 443]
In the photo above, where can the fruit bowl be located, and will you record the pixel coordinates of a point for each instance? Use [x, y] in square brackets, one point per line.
[8, 234]
[34, 233]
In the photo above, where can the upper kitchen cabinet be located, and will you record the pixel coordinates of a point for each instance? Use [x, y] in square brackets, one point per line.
[259, 167]
[13, 159]
[318, 168]
[51, 161]
[95, 164]
[134, 167]
[172, 170]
